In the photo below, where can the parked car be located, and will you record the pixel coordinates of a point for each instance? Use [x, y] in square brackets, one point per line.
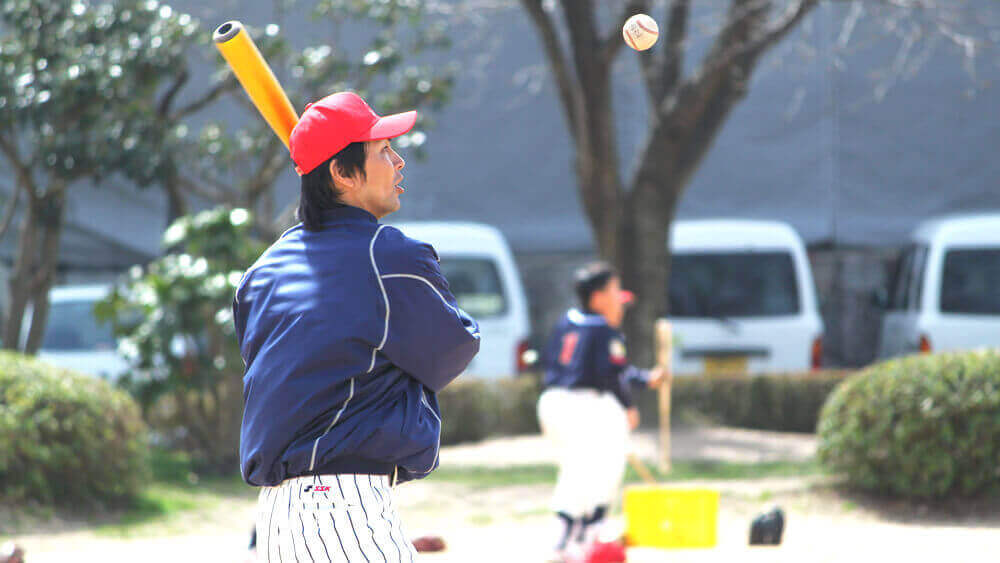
[945, 294]
[74, 339]
[483, 276]
[742, 298]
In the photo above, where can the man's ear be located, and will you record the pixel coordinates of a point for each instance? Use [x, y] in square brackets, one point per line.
[341, 182]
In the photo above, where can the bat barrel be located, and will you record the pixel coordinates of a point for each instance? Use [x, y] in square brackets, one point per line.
[227, 31]
[253, 73]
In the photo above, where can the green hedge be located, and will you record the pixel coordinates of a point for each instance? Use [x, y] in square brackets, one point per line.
[67, 439]
[788, 402]
[920, 427]
[474, 409]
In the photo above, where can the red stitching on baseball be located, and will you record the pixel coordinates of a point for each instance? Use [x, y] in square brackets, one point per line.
[646, 29]
[630, 41]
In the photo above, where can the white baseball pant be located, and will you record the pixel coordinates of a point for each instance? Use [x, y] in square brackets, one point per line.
[331, 518]
[589, 430]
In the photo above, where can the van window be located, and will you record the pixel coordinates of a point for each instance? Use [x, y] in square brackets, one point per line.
[737, 284]
[72, 326]
[475, 283]
[970, 280]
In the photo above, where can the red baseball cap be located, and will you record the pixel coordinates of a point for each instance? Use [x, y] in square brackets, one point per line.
[334, 122]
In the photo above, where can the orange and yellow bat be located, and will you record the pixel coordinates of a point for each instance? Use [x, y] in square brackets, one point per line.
[253, 72]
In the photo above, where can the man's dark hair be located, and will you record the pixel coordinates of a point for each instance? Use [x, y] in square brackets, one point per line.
[590, 278]
[318, 190]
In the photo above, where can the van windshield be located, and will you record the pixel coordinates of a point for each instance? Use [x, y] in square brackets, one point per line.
[733, 284]
[72, 326]
[475, 283]
[970, 281]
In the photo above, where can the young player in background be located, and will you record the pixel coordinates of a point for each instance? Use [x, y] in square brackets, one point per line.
[586, 407]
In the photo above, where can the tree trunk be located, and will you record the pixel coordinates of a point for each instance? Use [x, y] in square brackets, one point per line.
[19, 289]
[644, 261]
[597, 167]
[50, 227]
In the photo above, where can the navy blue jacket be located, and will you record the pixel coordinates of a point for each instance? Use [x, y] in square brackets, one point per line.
[584, 352]
[347, 334]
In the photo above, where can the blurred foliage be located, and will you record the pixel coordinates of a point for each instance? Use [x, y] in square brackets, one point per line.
[474, 409]
[174, 321]
[781, 402]
[83, 87]
[389, 53]
[67, 439]
[923, 426]
[79, 83]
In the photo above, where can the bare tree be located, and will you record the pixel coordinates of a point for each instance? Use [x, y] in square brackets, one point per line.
[688, 108]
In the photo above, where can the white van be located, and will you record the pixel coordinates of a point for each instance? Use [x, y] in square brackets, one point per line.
[483, 276]
[946, 291]
[74, 339]
[742, 298]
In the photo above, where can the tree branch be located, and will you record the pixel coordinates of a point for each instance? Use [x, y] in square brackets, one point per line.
[163, 108]
[215, 93]
[197, 189]
[8, 215]
[698, 108]
[747, 35]
[584, 42]
[662, 72]
[568, 93]
[24, 179]
[777, 31]
[272, 161]
[674, 56]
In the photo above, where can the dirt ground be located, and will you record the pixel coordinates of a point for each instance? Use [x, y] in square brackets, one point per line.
[513, 524]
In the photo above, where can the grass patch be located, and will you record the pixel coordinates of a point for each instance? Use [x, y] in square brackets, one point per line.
[174, 498]
[701, 470]
[167, 507]
[541, 474]
[490, 477]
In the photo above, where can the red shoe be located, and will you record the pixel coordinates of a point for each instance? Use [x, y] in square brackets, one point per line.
[10, 553]
[605, 552]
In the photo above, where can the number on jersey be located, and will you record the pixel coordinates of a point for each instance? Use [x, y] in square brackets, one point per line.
[569, 342]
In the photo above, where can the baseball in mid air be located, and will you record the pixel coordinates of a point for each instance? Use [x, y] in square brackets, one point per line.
[640, 32]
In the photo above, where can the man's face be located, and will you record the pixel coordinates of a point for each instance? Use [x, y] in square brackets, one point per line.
[379, 189]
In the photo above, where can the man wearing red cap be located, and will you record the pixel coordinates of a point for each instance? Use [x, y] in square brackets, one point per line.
[348, 331]
[586, 408]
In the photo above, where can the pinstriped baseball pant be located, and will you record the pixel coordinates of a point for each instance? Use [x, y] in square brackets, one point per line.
[331, 518]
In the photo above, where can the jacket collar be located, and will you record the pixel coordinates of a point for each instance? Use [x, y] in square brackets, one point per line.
[347, 213]
[580, 318]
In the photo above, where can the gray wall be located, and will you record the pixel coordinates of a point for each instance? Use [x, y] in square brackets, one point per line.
[816, 143]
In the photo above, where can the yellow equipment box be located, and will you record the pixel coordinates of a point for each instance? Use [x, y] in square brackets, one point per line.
[661, 516]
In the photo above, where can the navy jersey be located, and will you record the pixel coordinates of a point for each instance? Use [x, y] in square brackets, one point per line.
[347, 334]
[584, 352]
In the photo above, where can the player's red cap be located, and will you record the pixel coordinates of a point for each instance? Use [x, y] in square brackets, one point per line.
[336, 121]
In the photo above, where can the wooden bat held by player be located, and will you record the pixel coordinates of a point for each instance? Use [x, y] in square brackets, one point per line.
[250, 68]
